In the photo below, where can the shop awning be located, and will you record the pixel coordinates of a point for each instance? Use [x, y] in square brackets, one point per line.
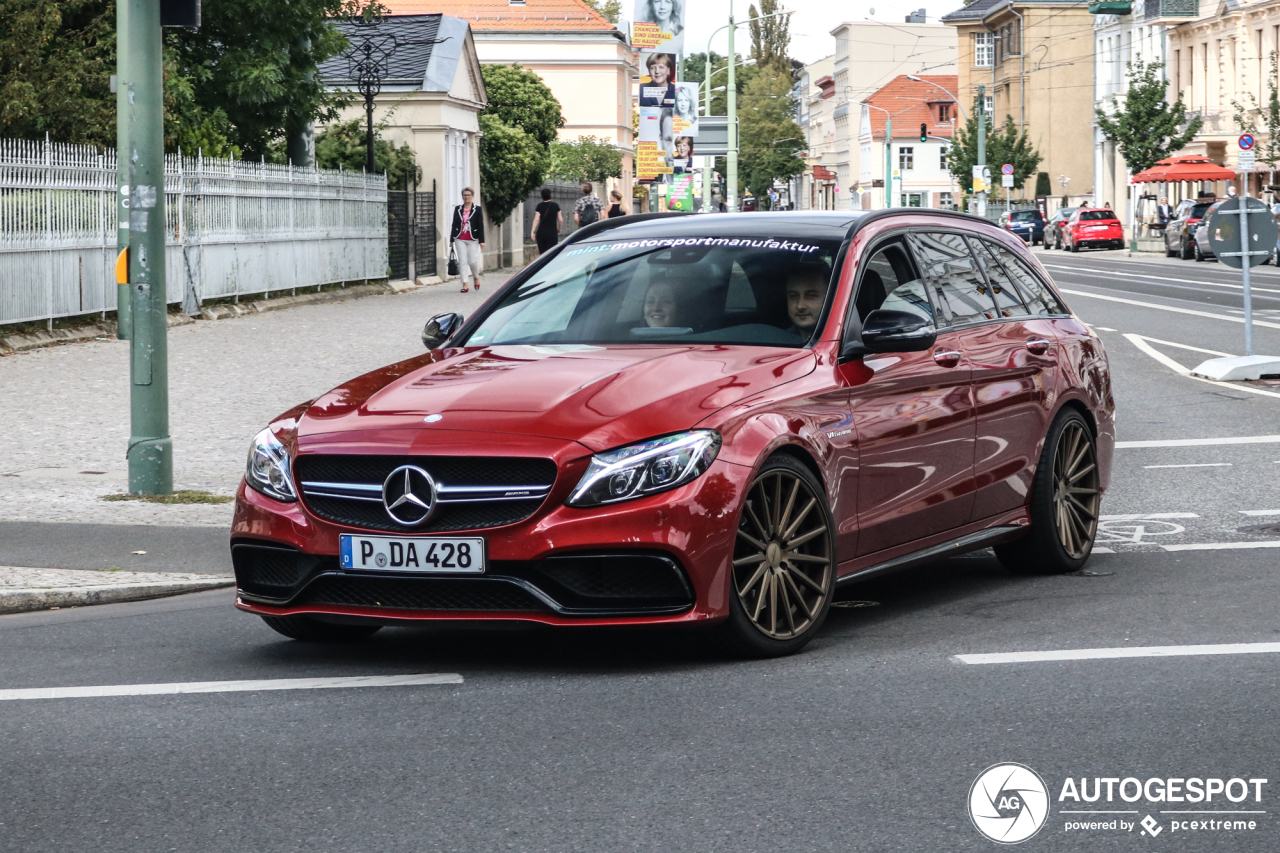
[1192, 167]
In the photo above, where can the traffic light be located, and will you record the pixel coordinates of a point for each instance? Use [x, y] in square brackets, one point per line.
[924, 132]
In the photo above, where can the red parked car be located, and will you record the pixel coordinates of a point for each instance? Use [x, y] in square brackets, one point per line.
[1093, 226]
[692, 420]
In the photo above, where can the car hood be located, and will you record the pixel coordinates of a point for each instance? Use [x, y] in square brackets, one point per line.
[600, 396]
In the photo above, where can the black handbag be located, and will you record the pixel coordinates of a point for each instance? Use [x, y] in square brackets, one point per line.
[453, 260]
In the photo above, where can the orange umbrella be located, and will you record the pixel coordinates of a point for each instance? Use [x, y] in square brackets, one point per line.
[1191, 167]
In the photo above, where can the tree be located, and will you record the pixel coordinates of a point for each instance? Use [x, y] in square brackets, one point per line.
[1146, 128]
[694, 69]
[1005, 144]
[519, 98]
[1251, 118]
[771, 37]
[588, 159]
[343, 145]
[769, 138]
[610, 9]
[1043, 187]
[512, 164]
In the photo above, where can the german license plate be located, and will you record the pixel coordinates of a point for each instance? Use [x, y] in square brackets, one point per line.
[443, 554]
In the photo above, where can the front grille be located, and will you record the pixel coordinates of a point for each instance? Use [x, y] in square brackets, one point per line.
[651, 578]
[272, 571]
[475, 594]
[462, 504]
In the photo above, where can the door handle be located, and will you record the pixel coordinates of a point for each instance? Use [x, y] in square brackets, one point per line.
[946, 357]
[1039, 346]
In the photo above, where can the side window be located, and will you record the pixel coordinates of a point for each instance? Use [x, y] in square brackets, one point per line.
[952, 272]
[1003, 290]
[1040, 299]
[888, 280]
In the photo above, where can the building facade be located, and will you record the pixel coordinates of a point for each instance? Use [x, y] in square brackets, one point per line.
[868, 55]
[816, 103]
[1035, 58]
[916, 156]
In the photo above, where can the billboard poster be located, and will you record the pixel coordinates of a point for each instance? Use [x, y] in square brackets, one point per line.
[658, 25]
[650, 161]
[680, 194]
[686, 109]
[682, 162]
[657, 80]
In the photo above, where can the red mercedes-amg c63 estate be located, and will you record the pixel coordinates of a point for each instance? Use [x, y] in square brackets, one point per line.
[705, 420]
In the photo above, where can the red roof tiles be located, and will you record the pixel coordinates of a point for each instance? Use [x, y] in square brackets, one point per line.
[913, 102]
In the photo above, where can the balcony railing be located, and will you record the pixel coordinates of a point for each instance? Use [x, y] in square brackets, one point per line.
[1214, 121]
[1156, 9]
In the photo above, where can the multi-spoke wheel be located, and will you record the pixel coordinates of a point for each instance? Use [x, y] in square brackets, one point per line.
[784, 562]
[1065, 498]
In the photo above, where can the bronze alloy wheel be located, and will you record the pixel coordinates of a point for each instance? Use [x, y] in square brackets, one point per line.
[1075, 490]
[782, 563]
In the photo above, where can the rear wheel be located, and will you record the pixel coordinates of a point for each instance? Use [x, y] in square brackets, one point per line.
[1196, 253]
[784, 562]
[1065, 497]
[311, 629]
[1183, 251]
[1075, 247]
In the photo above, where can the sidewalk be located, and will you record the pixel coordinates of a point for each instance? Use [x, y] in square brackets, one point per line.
[23, 589]
[65, 418]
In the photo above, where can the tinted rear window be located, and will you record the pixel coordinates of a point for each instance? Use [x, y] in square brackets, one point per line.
[1096, 214]
[1198, 211]
[1026, 215]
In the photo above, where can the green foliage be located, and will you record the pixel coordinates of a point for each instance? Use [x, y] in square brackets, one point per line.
[589, 159]
[770, 140]
[610, 9]
[343, 145]
[1145, 129]
[771, 37]
[1005, 144]
[694, 69]
[519, 98]
[1043, 187]
[56, 59]
[512, 164]
[1250, 118]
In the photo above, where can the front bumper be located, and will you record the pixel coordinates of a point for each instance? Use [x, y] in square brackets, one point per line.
[659, 559]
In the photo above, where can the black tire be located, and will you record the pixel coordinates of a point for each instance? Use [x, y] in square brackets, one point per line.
[1057, 241]
[1075, 247]
[1182, 250]
[1196, 253]
[1169, 253]
[745, 635]
[312, 630]
[1042, 550]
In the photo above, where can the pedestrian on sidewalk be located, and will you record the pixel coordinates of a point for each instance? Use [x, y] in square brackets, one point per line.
[615, 209]
[588, 208]
[547, 222]
[466, 238]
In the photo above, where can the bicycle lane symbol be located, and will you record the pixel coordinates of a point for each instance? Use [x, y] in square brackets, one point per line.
[1137, 529]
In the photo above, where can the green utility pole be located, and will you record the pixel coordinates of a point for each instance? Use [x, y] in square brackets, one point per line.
[150, 450]
[888, 160]
[123, 324]
[982, 144]
[732, 94]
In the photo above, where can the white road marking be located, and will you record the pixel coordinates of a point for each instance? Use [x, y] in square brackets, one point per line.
[1194, 465]
[1143, 516]
[1097, 550]
[1201, 442]
[1136, 652]
[1166, 279]
[1223, 546]
[1141, 343]
[1159, 307]
[230, 686]
[1187, 347]
[1260, 512]
[1103, 329]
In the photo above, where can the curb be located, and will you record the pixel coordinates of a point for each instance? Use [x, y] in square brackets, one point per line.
[25, 600]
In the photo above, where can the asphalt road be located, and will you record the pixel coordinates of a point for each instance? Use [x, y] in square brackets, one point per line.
[645, 740]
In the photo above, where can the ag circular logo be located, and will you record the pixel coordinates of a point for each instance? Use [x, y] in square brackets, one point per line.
[1008, 803]
[409, 495]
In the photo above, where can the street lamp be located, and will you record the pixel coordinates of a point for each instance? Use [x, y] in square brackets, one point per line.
[941, 89]
[982, 130]
[888, 152]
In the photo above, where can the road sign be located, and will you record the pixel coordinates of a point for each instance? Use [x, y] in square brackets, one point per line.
[1006, 180]
[1247, 161]
[713, 136]
[1246, 142]
[1224, 231]
[1006, 169]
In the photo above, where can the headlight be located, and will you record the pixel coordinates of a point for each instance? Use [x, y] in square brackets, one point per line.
[646, 468]
[268, 468]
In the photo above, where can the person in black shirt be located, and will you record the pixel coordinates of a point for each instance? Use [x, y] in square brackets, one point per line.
[615, 209]
[547, 222]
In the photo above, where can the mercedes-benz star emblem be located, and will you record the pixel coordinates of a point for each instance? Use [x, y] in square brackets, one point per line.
[409, 495]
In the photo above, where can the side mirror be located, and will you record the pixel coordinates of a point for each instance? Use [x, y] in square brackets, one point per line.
[886, 330]
[439, 329]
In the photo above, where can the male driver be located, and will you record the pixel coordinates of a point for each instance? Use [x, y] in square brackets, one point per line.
[806, 291]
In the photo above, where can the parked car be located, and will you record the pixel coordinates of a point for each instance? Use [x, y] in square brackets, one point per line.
[1027, 224]
[703, 421]
[1179, 232]
[1201, 245]
[1053, 228]
[1095, 227]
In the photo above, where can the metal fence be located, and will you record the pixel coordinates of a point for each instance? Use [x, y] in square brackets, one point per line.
[234, 228]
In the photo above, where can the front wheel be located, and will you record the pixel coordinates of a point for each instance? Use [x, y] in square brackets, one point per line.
[311, 629]
[1065, 497]
[784, 563]
[1196, 253]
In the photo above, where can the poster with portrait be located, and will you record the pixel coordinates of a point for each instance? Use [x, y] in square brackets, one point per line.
[686, 109]
[658, 80]
[658, 25]
[682, 161]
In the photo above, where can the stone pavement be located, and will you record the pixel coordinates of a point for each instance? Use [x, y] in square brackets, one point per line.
[65, 418]
[23, 589]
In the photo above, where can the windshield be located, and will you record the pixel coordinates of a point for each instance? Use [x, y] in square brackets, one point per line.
[1096, 214]
[713, 290]
[1026, 215]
